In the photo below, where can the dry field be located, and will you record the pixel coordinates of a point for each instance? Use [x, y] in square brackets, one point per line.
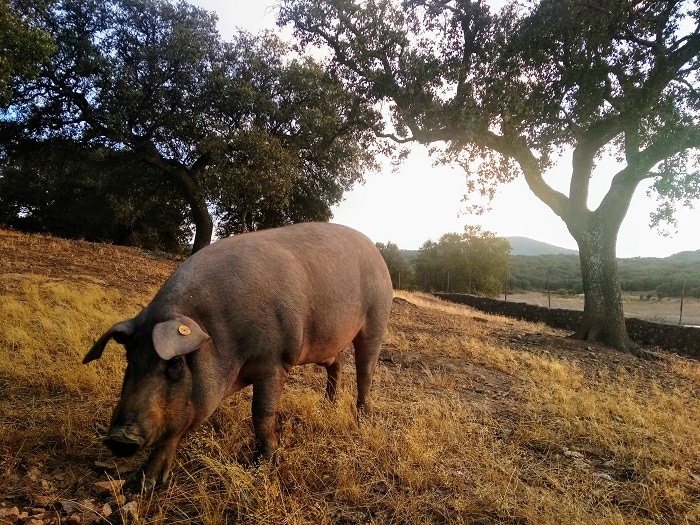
[477, 419]
[666, 310]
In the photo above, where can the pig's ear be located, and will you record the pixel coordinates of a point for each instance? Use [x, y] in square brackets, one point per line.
[120, 332]
[177, 336]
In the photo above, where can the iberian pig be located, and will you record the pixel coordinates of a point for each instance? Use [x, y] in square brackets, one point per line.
[242, 312]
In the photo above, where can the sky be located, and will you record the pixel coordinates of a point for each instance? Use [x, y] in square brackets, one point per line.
[419, 201]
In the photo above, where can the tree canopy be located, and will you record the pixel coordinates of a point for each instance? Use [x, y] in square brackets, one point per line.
[474, 261]
[23, 46]
[245, 128]
[399, 266]
[513, 89]
[93, 194]
[297, 140]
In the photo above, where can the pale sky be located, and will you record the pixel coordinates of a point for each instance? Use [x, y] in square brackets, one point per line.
[420, 202]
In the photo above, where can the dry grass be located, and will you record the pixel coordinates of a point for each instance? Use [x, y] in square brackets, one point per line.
[477, 419]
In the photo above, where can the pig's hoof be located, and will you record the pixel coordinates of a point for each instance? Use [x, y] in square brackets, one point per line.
[261, 459]
[138, 482]
[363, 414]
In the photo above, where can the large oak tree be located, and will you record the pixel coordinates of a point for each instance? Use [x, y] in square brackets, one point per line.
[233, 125]
[516, 88]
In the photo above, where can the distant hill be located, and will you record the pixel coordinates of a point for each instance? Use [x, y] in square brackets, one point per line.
[686, 257]
[519, 246]
[526, 246]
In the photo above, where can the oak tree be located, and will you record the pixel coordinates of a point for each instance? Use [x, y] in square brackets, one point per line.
[514, 89]
[152, 79]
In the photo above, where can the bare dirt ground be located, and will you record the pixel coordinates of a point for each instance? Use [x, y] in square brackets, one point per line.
[491, 388]
[128, 269]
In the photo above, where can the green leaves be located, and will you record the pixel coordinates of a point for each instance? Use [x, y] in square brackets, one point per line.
[23, 46]
[677, 182]
[402, 275]
[472, 262]
[290, 142]
[247, 129]
[522, 82]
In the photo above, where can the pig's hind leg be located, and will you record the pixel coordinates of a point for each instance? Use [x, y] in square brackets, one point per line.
[367, 347]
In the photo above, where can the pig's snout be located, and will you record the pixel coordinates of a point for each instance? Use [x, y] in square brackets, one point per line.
[123, 442]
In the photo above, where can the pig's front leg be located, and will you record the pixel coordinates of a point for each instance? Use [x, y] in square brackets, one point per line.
[266, 396]
[156, 470]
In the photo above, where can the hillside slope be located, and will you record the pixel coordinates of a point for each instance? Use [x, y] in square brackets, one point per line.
[527, 246]
[476, 418]
[127, 269]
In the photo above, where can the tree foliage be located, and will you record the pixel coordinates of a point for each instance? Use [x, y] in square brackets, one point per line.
[245, 128]
[93, 194]
[399, 266]
[514, 89]
[295, 142]
[472, 262]
[23, 46]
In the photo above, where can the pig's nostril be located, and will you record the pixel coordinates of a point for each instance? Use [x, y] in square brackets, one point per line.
[122, 445]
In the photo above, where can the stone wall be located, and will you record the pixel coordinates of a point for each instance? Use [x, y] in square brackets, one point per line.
[683, 340]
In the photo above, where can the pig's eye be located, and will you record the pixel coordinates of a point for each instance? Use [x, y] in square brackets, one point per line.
[175, 368]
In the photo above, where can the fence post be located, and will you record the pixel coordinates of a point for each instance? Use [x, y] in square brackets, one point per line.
[680, 317]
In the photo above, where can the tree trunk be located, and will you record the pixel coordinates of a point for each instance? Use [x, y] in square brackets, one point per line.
[194, 195]
[203, 223]
[192, 191]
[596, 234]
[603, 316]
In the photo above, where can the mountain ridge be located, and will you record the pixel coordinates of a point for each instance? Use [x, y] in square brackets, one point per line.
[528, 246]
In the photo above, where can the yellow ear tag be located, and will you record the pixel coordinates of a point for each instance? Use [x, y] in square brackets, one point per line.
[184, 330]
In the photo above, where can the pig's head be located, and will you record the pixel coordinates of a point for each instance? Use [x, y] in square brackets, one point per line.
[159, 399]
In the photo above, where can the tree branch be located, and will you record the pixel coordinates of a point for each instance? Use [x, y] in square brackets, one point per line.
[624, 183]
[395, 138]
[518, 150]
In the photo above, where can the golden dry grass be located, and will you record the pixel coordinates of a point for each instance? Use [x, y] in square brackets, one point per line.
[476, 418]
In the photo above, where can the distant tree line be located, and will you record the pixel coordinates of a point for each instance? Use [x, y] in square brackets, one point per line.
[480, 263]
[648, 276]
[557, 273]
[474, 261]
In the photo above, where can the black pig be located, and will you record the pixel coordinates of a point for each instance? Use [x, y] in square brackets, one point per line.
[242, 312]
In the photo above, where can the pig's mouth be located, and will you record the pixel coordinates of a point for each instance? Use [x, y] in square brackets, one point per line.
[123, 443]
